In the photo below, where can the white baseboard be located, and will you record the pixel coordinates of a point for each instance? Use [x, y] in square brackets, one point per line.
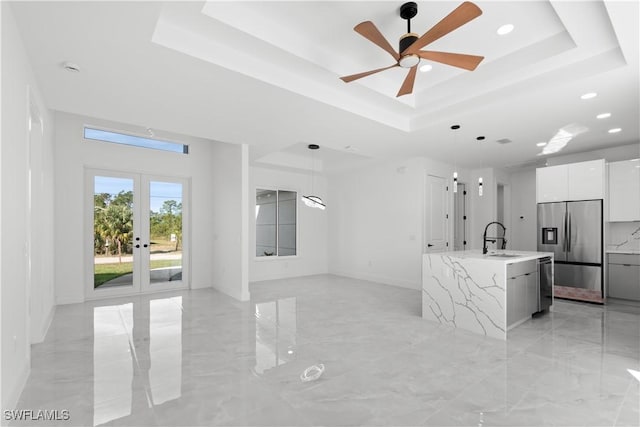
[68, 300]
[45, 326]
[240, 296]
[11, 401]
[391, 281]
[279, 275]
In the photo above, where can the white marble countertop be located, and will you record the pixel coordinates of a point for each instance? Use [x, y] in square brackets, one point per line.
[623, 251]
[477, 254]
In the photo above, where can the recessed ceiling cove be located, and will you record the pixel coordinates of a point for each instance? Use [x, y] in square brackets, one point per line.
[304, 47]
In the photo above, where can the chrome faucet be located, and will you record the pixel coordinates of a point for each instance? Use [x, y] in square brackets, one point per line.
[486, 239]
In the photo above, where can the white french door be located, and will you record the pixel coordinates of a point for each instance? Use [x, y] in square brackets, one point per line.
[137, 228]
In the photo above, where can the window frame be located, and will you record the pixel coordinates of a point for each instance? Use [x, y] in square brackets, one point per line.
[255, 231]
[85, 127]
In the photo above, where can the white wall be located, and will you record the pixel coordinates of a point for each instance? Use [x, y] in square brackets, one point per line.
[312, 226]
[376, 220]
[483, 208]
[74, 154]
[230, 197]
[17, 82]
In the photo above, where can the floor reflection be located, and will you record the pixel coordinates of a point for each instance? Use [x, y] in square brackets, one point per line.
[137, 356]
[165, 373]
[112, 362]
[275, 333]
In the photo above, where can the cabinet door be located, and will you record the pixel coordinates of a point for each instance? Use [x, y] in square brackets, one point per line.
[513, 297]
[586, 180]
[624, 281]
[552, 184]
[531, 293]
[624, 191]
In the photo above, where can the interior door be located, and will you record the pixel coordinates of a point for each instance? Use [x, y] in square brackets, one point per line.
[138, 238]
[435, 218]
[460, 218]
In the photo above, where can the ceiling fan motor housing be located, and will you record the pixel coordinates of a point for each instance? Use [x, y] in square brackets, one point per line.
[408, 11]
[406, 41]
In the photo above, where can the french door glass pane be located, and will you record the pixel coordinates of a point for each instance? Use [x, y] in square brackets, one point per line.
[165, 231]
[266, 222]
[112, 232]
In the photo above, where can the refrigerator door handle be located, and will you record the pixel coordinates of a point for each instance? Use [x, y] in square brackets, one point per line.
[564, 232]
[568, 232]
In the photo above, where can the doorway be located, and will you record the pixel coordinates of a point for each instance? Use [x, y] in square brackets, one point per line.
[435, 214]
[460, 229]
[139, 236]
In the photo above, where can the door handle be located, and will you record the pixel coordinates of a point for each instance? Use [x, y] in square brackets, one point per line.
[569, 233]
[429, 245]
[137, 246]
[145, 245]
[564, 237]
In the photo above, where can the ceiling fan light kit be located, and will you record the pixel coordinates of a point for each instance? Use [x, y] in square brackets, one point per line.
[409, 54]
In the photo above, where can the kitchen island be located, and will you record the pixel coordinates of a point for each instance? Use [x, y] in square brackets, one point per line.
[484, 293]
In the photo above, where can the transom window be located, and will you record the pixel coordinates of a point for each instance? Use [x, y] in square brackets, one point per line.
[136, 141]
[276, 223]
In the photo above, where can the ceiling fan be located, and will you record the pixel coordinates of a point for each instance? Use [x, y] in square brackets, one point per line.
[410, 54]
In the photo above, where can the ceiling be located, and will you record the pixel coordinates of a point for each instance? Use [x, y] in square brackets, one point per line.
[266, 74]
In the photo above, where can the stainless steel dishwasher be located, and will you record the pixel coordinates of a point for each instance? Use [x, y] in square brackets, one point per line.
[545, 283]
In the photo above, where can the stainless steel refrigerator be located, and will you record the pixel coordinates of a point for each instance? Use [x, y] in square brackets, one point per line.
[573, 232]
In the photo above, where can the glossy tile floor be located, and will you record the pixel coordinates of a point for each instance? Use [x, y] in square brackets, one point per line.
[201, 358]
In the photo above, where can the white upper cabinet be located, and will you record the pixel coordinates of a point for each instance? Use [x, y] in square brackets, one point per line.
[624, 191]
[552, 184]
[575, 181]
[586, 180]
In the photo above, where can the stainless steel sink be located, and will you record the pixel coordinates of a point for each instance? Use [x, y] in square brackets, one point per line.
[504, 255]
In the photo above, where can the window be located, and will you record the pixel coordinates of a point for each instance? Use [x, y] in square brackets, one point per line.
[136, 141]
[275, 223]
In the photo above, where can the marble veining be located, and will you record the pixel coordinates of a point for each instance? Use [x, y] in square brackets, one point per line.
[624, 237]
[465, 293]
[200, 358]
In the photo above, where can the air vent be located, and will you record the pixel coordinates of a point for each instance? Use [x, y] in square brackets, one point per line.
[504, 141]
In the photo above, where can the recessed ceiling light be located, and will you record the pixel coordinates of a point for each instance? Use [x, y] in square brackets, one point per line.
[589, 95]
[614, 130]
[603, 116]
[541, 144]
[505, 29]
[426, 67]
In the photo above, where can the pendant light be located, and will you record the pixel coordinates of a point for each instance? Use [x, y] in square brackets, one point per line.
[311, 200]
[455, 167]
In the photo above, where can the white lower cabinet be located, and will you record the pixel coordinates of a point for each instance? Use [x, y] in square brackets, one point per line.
[522, 295]
[624, 276]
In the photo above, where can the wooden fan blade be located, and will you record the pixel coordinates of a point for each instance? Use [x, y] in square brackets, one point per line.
[464, 13]
[468, 62]
[370, 32]
[353, 77]
[407, 85]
